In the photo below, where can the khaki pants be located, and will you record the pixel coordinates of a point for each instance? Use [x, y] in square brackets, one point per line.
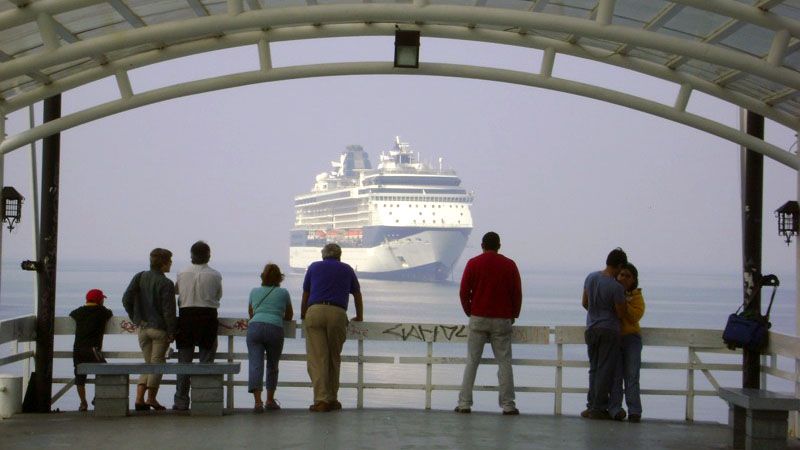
[498, 332]
[154, 344]
[326, 331]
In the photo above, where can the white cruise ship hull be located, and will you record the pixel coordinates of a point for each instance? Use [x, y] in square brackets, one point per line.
[428, 255]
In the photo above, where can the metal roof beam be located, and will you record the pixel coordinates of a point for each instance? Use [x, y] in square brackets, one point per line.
[127, 13]
[538, 5]
[210, 44]
[392, 13]
[198, 8]
[664, 16]
[253, 4]
[35, 75]
[375, 68]
[718, 35]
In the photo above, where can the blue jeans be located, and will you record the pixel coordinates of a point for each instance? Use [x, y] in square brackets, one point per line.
[263, 338]
[603, 348]
[628, 373]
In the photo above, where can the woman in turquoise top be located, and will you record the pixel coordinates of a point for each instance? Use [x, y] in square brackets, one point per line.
[269, 306]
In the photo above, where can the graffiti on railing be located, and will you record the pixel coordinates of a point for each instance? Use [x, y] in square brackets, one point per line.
[239, 325]
[128, 327]
[427, 333]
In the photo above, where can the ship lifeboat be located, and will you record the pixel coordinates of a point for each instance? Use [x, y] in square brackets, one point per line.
[319, 234]
[353, 233]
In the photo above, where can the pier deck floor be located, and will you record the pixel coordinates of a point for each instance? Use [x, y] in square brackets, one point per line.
[353, 429]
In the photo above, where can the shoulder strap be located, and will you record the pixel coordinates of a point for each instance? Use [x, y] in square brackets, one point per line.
[263, 298]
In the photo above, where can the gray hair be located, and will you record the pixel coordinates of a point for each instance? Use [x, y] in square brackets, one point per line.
[331, 250]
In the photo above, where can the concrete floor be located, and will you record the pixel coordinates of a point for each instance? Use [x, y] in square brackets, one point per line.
[352, 429]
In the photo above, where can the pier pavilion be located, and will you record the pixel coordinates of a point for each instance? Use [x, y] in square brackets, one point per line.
[740, 52]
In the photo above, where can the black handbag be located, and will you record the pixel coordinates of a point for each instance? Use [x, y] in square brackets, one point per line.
[748, 329]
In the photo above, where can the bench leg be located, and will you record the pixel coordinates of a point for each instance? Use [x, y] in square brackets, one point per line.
[766, 430]
[111, 395]
[206, 395]
[737, 419]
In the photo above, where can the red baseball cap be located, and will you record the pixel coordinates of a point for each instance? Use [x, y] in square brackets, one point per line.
[95, 296]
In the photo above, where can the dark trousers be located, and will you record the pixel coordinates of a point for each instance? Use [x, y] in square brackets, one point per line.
[196, 327]
[603, 347]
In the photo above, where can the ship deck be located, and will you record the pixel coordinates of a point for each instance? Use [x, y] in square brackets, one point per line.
[355, 429]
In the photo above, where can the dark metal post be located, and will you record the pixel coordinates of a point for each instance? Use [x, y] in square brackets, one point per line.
[751, 240]
[48, 239]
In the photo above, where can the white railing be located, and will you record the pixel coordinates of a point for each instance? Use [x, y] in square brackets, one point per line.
[697, 344]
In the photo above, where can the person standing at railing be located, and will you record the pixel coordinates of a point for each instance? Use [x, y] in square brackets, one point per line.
[90, 326]
[269, 306]
[491, 295]
[199, 290]
[327, 287]
[630, 363]
[149, 301]
[604, 301]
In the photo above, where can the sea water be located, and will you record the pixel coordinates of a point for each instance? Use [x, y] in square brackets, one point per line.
[550, 297]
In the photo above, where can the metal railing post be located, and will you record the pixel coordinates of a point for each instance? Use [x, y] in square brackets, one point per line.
[429, 377]
[360, 388]
[559, 394]
[229, 384]
[690, 386]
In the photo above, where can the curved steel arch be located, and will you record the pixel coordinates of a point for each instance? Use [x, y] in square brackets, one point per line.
[238, 27]
[376, 68]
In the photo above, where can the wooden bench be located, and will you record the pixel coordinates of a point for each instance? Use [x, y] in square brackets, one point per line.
[759, 417]
[112, 386]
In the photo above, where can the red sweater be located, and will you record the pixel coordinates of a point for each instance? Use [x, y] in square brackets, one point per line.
[491, 287]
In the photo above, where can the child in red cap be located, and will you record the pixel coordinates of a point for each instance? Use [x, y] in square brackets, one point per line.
[90, 324]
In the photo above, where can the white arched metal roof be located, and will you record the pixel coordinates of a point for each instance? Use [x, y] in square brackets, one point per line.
[743, 52]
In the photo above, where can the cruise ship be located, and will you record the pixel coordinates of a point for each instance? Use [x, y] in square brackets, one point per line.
[404, 220]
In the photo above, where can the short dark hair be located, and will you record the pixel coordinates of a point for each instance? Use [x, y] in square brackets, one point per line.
[617, 258]
[200, 252]
[271, 275]
[332, 250]
[159, 257]
[634, 273]
[491, 241]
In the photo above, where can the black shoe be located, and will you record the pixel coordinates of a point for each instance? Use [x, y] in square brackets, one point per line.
[620, 416]
[635, 418]
[511, 412]
[141, 407]
[180, 408]
[462, 410]
[599, 415]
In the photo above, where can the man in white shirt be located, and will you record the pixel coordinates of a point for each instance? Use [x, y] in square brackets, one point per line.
[199, 289]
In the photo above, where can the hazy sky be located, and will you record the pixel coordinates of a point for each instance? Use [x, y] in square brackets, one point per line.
[563, 179]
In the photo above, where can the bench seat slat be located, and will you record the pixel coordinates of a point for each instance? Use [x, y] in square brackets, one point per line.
[760, 399]
[163, 369]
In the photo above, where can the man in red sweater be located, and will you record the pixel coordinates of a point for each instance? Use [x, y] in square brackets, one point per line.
[491, 295]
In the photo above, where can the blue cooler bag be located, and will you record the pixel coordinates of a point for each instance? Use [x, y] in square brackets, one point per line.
[748, 329]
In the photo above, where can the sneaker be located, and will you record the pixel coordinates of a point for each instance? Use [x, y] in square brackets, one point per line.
[511, 412]
[620, 416]
[319, 407]
[585, 413]
[462, 410]
[635, 418]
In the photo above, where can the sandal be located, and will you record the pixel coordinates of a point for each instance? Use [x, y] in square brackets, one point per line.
[273, 406]
[83, 407]
[141, 407]
[258, 408]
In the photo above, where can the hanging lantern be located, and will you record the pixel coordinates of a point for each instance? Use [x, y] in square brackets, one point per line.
[11, 206]
[788, 220]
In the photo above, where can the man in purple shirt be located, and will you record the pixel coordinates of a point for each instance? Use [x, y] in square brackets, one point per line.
[326, 291]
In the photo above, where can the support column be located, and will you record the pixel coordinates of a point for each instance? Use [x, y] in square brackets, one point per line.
[34, 209]
[752, 210]
[2, 173]
[45, 317]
